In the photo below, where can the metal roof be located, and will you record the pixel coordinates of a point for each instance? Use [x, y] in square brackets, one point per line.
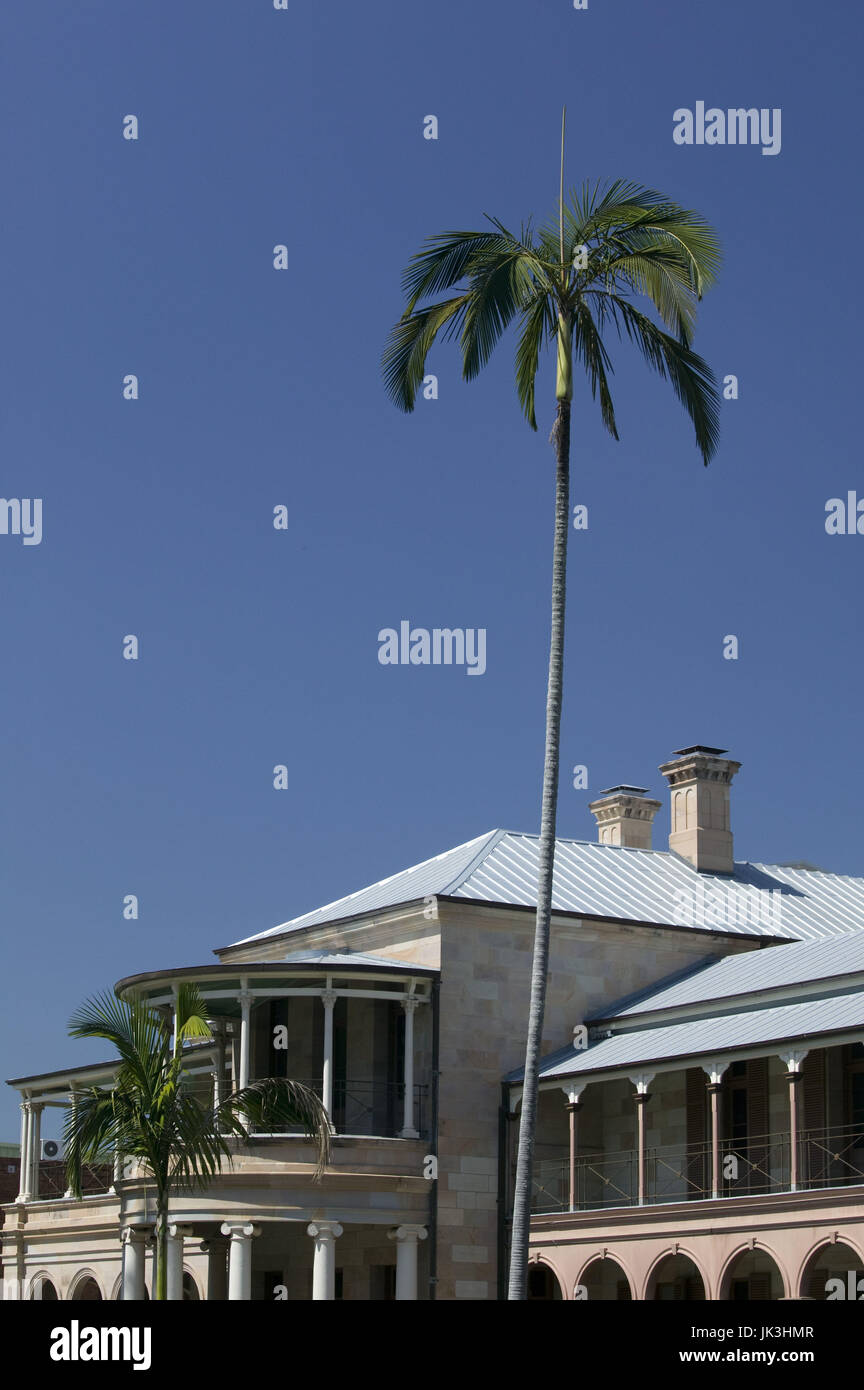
[779, 967]
[708, 1036]
[607, 881]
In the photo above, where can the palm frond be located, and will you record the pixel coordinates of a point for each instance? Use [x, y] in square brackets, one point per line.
[404, 358]
[277, 1104]
[692, 379]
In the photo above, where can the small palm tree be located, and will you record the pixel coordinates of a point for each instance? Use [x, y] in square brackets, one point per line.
[152, 1114]
[564, 285]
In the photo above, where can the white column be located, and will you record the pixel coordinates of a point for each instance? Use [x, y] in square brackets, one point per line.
[174, 1017]
[409, 1004]
[407, 1243]
[245, 1037]
[218, 1066]
[328, 999]
[325, 1235]
[793, 1060]
[134, 1240]
[24, 1175]
[174, 1261]
[35, 1148]
[240, 1258]
[216, 1249]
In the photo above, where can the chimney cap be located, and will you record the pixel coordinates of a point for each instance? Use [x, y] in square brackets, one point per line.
[699, 748]
[625, 790]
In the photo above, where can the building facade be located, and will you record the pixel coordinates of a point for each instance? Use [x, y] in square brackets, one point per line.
[701, 1122]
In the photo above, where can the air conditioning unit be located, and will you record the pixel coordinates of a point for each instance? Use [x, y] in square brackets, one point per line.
[51, 1148]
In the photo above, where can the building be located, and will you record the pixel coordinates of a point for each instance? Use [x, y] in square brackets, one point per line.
[701, 1125]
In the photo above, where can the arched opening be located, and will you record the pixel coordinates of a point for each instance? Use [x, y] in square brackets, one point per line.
[542, 1284]
[86, 1291]
[190, 1289]
[605, 1280]
[834, 1272]
[677, 1279]
[753, 1278]
[43, 1289]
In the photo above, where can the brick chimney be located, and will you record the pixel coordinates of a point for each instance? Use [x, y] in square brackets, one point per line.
[624, 816]
[699, 779]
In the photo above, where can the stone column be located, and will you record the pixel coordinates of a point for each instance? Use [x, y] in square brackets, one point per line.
[328, 999]
[325, 1235]
[407, 1244]
[216, 1250]
[134, 1240]
[714, 1071]
[793, 1062]
[642, 1081]
[240, 1258]
[24, 1173]
[36, 1109]
[409, 1004]
[174, 1261]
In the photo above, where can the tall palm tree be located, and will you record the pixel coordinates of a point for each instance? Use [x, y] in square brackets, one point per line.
[152, 1113]
[566, 284]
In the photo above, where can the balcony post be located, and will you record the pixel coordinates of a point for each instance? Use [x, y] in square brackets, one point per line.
[328, 999]
[574, 1105]
[409, 1004]
[218, 1065]
[714, 1071]
[793, 1062]
[642, 1080]
[24, 1165]
[245, 999]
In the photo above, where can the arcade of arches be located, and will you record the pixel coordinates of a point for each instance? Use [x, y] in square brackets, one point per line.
[833, 1270]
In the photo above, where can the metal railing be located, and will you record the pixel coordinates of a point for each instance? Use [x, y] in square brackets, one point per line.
[683, 1173]
[373, 1108]
[95, 1179]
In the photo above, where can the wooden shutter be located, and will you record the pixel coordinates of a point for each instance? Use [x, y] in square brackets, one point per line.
[758, 1154]
[697, 1164]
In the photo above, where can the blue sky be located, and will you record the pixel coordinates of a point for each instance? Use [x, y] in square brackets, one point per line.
[260, 388]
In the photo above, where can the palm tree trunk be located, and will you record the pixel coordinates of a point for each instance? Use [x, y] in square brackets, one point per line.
[160, 1283]
[528, 1120]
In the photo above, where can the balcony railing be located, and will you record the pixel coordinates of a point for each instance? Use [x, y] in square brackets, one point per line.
[683, 1173]
[373, 1108]
[95, 1179]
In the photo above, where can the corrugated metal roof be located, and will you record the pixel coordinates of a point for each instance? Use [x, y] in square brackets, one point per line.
[607, 881]
[708, 1036]
[803, 962]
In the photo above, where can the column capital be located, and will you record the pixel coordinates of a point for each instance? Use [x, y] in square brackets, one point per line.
[240, 1230]
[135, 1234]
[714, 1071]
[328, 998]
[573, 1092]
[324, 1230]
[641, 1080]
[407, 1233]
[213, 1243]
[179, 1232]
[793, 1059]
[410, 1002]
[245, 998]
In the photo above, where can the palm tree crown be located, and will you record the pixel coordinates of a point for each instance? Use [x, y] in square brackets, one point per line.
[569, 281]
